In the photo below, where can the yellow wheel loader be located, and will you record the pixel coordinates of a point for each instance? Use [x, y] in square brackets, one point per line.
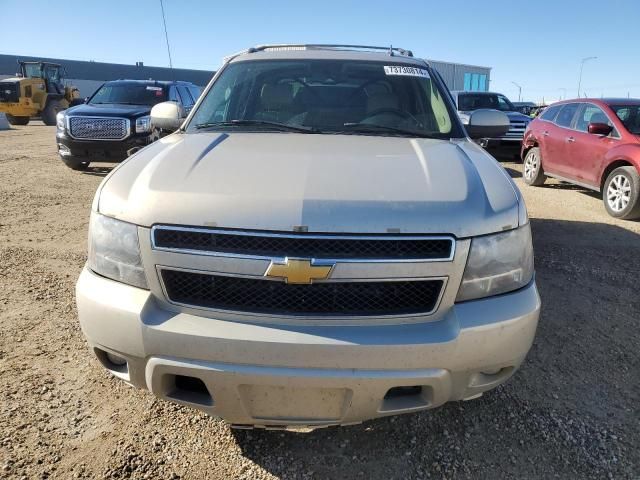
[38, 90]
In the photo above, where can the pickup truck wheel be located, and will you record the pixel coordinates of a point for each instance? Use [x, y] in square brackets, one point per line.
[76, 164]
[13, 120]
[50, 111]
[532, 171]
[621, 193]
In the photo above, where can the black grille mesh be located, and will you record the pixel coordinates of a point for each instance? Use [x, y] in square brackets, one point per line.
[98, 128]
[331, 298]
[9, 92]
[304, 246]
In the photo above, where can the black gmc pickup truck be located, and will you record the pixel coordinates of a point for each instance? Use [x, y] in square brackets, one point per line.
[114, 122]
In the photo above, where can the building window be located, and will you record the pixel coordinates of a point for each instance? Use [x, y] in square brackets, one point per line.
[482, 83]
[475, 82]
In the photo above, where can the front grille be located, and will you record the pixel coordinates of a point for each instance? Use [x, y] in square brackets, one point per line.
[9, 92]
[98, 128]
[303, 245]
[516, 130]
[325, 299]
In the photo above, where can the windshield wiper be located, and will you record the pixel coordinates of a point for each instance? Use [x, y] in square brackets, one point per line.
[257, 123]
[380, 129]
[118, 103]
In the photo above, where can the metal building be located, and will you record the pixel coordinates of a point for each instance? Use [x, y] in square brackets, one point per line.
[459, 76]
[88, 76]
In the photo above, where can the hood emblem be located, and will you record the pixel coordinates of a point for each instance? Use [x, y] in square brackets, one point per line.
[298, 271]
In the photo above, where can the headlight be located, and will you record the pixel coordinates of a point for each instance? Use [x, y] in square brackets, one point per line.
[114, 251]
[143, 124]
[60, 120]
[497, 264]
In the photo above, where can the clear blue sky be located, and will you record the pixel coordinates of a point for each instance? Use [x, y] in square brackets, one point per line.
[538, 43]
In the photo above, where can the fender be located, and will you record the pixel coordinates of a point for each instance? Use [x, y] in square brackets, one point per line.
[528, 141]
[627, 153]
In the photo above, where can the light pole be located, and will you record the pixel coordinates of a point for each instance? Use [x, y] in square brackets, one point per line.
[564, 93]
[585, 59]
[519, 91]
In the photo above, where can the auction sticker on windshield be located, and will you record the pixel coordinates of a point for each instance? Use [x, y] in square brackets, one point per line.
[410, 71]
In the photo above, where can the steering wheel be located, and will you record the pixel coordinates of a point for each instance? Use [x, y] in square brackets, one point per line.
[393, 111]
[363, 87]
[308, 88]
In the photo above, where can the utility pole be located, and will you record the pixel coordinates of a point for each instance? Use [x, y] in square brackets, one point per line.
[582, 62]
[564, 93]
[519, 91]
[166, 36]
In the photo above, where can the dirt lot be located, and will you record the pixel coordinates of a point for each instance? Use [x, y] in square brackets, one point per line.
[571, 412]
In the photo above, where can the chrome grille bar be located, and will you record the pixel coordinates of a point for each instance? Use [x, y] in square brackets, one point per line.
[269, 245]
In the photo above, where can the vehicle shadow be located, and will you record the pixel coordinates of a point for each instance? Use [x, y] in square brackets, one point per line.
[513, 172]
[557, 185]
[572, 187]
[578, 378]
[98, 171]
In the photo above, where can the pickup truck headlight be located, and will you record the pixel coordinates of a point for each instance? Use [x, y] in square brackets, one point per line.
[498, 263]
[114, 251]
[60, 120]
[143, 124]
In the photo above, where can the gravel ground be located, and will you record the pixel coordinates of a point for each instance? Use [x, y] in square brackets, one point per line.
[570, 412]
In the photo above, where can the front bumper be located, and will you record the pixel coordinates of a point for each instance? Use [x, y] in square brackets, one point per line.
[305, 376]
[100, 150]
[18, 109]
[510, 142]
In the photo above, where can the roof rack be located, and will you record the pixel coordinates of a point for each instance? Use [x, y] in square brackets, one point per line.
[319, 46]
[330, 46]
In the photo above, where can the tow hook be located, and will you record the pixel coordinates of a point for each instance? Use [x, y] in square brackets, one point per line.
[133, 150]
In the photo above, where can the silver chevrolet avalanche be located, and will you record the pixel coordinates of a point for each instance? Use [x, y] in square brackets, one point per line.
[320, 242]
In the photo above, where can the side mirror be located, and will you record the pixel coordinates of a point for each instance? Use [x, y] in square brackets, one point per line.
[599, 129]
[485, 123]
[167, 116]
[86, 99]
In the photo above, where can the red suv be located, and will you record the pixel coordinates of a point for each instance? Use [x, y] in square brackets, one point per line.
[592, 143]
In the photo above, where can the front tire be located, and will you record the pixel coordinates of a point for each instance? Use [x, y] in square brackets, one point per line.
[621, 193]
[13, 120]
[50, 111]
[76, 163]
[532, 171]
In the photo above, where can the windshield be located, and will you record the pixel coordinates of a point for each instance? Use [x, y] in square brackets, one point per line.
[326, 96]
[33, 70]
[129, 94]
[629, 115]
[468, 102]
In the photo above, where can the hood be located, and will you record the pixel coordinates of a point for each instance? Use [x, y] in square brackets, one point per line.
[11, 80]
[110, 110]
[327, 183]
[518, 117]
[513, 116]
